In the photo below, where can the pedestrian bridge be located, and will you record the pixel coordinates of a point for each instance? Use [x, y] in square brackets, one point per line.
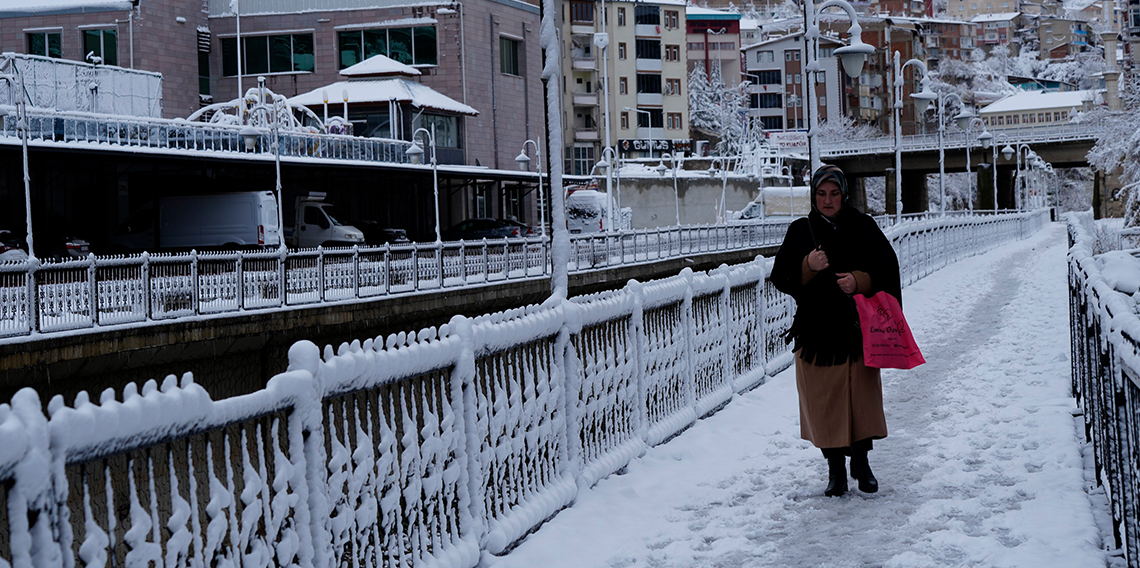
[452, 444]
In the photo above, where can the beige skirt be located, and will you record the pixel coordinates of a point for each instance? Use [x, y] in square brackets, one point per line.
[840, 404]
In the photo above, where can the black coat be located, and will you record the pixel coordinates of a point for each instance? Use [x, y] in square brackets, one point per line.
[826, 325]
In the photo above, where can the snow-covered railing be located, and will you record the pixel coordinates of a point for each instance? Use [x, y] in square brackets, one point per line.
[1084, 131]
[419, 449]
[1105, 335]
[133, 133]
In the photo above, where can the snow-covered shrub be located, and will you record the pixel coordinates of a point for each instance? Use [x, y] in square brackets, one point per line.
[1118, 146]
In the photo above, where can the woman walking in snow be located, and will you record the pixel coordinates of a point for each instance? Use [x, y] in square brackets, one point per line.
[827, 258]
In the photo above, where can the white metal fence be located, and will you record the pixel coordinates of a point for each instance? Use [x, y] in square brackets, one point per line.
[419, 449]
[97, 292]
[1087, 131]
[64, 85]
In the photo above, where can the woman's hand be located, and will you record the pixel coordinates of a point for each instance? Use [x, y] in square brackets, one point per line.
[847, 282]
[817, 260]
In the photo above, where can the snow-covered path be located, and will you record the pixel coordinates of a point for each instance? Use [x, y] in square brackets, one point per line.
[983, 465]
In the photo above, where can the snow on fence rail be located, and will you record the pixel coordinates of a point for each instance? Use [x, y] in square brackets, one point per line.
[1105, 335]
[958, 140]
[98, 292]
[419, 449]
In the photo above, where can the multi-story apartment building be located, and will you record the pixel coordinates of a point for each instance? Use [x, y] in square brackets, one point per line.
[482, 52]
[713, 42]
[910, 8]
[947, 39]
[778, 90]
[635, 53]
[996, 29]
[1062, 37]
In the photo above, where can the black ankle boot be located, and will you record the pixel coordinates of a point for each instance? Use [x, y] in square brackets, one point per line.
[836, 476]
[861, 470]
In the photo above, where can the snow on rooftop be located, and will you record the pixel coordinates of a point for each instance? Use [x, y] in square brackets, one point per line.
[703, 13]
[1037, 100]
[1000, 17]
[379, 65]
[385, 90]
[56, 5]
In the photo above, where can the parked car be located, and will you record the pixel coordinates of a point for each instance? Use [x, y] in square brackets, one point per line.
[67, 247]
[377, 234]
[11, 249]
[524, 229]
[483, 228]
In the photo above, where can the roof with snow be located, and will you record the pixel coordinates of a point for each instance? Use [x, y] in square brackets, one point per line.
[1040, 100]
[1001, 17]
[378, 66]
[774, 39]
[386, 90]
[698, 13]
[14, 8]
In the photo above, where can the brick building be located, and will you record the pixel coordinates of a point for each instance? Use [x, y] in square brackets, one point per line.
[777, 95]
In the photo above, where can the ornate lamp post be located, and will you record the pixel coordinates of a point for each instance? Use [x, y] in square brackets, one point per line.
[1008, 152]
[649, 121]
[250, 134]
[416, 154]
[853, 56]
[966, 120]
[897, 123]
[723, 163]
[524, 164]
[608, 167]
[941, 98]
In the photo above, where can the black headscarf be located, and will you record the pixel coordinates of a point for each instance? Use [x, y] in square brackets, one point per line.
[826, 325]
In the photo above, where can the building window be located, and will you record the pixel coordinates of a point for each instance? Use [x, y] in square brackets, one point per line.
[766, 77]
[798, 78]
[797, 55]
[768, 100]
[101, 44]
[672, 53]
[625, 121]
[621, 50]
[621, 16]
[648, 49]
[583, 160]
[648, 83]
[410, 46]
[204, 64]
[647, 15]
[672, 86]
[674, 121]
[671, 19]
[46, 44]
[788, 55]
[788, 79]
[764, 56]
[623, 86]
[655, 119]
[823, 100]
[509, 50]
[772, 122]
[283, 53]
[582, 12]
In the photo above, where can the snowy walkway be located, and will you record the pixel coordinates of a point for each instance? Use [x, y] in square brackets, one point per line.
[983, 466]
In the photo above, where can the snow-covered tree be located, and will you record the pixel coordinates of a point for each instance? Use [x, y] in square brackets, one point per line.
[1119, 146]
[845, 129]
[717, 108]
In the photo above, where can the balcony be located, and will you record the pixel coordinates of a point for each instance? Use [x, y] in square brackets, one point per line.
[650, 99]
[585, 135]
[583, 64]
[582, 28]
[585, 99]
[648, 64]
[647, 30]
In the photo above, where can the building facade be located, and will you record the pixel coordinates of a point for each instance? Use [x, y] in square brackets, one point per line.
[625, 64]
[1062, 37]
[996, 29]
[778, 90]
[947, 39]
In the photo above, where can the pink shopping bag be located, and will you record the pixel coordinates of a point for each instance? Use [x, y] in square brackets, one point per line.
[887, 341]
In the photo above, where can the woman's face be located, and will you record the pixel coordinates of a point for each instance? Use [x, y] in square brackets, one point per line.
[828, 198]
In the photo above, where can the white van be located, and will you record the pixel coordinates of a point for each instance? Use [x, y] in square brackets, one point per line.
[587, 211]
[219, 221]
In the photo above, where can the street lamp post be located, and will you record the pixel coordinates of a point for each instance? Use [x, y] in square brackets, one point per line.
[853, 56]
[969, 118]
[661, 168]
[723, 163]
[942, 145]
[897, 123]
[524, 164]
[1008, 152]
[416, 153]
[608, 167]
[250, 134]
[649, 121]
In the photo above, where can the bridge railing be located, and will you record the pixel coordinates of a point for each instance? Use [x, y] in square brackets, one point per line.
[423, 448]
[1089, 130]
[1105, 335]
[143, 133]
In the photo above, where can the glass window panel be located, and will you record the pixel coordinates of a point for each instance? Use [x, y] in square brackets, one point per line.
[37, 44]
[375, 43]
[425, 49]
[54, 45]
[349, 48]
[303, 59]
[110, 47]
[229, 56]
[92, 44]
[256, 54]
[400, 45]
[280, 54]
